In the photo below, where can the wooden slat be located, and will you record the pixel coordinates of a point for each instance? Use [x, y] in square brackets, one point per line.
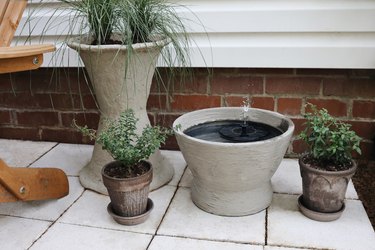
[11, 19]
[25, 50]
[3, 7]
[9, 65]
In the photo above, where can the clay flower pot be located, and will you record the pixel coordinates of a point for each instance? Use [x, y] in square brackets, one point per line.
[324, 192]
[129, 196]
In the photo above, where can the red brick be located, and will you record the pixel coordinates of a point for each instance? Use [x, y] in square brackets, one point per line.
[234, 101]
[183, 82]
[25, 100]
[49, 80]
[232, 84]
[267, 71]
[368, 151]
[364, 109]
[263, 103]
[364, 129]
[170, 144]
[289, 106]
[91, 119]
[62, 101]
[193, 102]
[369, 73]
[195, 84]
[6, 83]
[349, 87]
[5, 117]
[324, 72]
[64, 135]
[299, 146]
[293, 85]
[37, 118]
[335, 107]
[166, 120]
[157, 102]
[21, 133]
[298, 125]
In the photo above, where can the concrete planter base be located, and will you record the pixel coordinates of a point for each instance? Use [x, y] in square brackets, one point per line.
[232, 179]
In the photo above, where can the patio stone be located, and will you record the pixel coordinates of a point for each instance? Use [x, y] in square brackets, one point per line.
[280, 248]
[184, 219]
[173, 243]
[64, 236]
[288, 227]
[287, 180]
[69, 157]
[18, 153]
[49, 210]
[178, 162]
[91, 210]
[80, 220]
[186, 179]
[20, 233]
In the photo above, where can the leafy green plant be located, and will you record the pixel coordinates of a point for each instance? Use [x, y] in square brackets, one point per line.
[120, 139]
[330, 141]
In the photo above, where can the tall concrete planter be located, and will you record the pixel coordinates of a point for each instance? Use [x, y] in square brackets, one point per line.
[117, 87]
[232, 179]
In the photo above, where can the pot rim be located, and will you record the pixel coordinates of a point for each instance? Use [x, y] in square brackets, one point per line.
[351, 170]
[80, 42]
[130, 178]
[180, 132]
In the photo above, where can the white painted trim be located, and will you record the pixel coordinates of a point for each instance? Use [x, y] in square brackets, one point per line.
[262, 33]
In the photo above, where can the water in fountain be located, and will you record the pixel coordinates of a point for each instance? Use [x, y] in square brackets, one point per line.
[243, 130]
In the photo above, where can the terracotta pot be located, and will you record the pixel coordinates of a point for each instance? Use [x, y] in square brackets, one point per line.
[128, 195]
[324, 191]
[116, 91]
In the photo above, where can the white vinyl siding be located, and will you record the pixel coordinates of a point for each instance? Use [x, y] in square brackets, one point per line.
[266, 33]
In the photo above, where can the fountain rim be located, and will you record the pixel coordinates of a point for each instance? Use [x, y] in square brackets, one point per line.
[231, 144]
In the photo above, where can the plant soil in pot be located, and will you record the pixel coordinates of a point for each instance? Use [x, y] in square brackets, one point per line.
[232, 178]
[328, 167]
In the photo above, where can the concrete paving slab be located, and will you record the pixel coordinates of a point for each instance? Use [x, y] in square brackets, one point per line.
[288, 227]
[184, 219]
[91, 210]
[65, 236]
[71, 158]
[18, 153]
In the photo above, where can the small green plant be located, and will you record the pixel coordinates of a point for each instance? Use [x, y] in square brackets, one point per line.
[120, 139]
[331, 141]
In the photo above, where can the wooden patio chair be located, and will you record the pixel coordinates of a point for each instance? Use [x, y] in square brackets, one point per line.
[24, 184]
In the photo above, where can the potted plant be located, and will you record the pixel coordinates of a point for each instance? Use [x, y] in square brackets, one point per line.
[119, 43]
[128, 177]
[327, 167]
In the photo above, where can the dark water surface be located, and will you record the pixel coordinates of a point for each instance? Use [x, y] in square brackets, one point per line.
[233, 131]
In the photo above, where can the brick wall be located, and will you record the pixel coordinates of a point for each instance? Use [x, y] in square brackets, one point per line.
[40, 105]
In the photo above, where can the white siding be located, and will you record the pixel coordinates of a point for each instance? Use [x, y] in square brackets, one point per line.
[266, 33]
